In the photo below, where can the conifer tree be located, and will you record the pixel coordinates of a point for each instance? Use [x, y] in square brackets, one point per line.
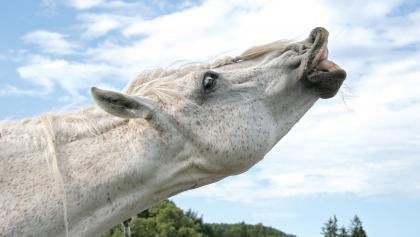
[342, 232]
[330, 228]
[356, 228]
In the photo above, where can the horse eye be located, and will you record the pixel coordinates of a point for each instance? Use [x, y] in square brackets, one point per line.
[209, 80]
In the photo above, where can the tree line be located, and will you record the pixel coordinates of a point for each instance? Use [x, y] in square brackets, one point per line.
[331, 228]
[165, 219]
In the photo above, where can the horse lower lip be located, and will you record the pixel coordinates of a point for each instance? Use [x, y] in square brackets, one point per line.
[338, 74]
[325, 84]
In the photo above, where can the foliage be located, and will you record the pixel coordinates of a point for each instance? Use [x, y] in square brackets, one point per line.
[357, 228]
[242, 230]
[167, 220]
[331, 229]
[161, 220]
[342, 232]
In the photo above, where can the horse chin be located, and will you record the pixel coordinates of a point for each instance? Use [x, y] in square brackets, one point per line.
[322, 75]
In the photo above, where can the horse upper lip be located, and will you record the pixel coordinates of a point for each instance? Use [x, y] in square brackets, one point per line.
[318, 53]
[322, 76]
[324, 64]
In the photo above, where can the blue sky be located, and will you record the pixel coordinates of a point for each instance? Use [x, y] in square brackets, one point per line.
[358, 153]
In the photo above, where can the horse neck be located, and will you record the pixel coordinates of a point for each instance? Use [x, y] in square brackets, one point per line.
[114, 175]
[105, 170]
[111, 168]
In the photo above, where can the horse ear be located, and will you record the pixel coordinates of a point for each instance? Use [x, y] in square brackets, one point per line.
[124, 106]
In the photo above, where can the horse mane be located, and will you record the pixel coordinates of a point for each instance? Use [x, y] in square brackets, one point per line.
[164, 84]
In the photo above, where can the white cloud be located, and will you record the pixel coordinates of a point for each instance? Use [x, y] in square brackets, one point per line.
[85, 4]
[150, 8]
[369, 147]
[70, 76]
[96, 25]
[8, 90]
[50, 42]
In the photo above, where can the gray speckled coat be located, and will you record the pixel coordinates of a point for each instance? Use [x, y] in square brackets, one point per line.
[79, 173]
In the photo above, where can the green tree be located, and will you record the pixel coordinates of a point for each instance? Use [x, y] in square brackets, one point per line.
[161, 220]
[356, 228]
[342, 232]
[330, 228]
[167, 220]
[241, 230]
[194, 216]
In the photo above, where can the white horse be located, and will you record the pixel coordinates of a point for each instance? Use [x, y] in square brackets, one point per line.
[80, 173]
